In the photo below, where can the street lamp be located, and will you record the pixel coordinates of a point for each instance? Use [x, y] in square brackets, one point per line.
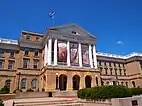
[18, 80]
[57, 81]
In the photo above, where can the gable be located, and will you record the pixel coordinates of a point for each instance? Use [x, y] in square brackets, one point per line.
[74, 30]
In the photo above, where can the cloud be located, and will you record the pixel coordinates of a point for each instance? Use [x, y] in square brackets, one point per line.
[119, 42]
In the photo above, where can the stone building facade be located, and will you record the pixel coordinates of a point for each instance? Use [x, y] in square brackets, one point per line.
[63, 58]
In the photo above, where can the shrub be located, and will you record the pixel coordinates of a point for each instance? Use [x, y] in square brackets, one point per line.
[4, 90]
[30, 90]
[136, 91]
[104, 92]
[1, 103]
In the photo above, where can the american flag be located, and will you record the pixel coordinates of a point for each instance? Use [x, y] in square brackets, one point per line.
[51, 14]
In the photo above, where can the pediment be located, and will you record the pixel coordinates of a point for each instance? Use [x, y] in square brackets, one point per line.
[75, 30]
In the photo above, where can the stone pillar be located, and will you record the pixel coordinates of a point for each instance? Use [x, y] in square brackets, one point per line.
[90, 56]
[80, 55]
[82, 82]
[45, 55]
[49, 51]
[69, 83]
[55, 52]
[68, 53]
[95, 57]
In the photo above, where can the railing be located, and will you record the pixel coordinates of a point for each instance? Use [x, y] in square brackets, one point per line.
[8, 41]
[118, 56]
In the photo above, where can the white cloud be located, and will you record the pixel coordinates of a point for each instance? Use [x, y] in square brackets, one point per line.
[119, 42]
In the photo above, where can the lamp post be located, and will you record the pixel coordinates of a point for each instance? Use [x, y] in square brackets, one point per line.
[18, 80]
[57, 81]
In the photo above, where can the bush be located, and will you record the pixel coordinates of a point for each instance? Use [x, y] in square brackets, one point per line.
[4, 90]
[1, 103]
[136, 91]
[104, 92]
[30, 90]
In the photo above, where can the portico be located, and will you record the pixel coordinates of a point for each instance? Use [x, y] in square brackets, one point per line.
[70, 59]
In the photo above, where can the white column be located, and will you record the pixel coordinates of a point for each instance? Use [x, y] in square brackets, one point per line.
[90, 56]
[55, 52]
[80, 55]
[45, 55]
[95, 57]
[68, 53]
[49, 51]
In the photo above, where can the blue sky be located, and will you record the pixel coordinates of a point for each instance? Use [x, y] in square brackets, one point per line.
[117, 24]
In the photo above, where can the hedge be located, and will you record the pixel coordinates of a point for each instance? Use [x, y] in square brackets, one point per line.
[4, 90]
[104, 92]
[136, 91]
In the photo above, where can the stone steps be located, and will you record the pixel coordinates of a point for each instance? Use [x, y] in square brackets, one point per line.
[46, 102]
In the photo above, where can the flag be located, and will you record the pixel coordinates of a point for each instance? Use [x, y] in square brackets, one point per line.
[51, 14]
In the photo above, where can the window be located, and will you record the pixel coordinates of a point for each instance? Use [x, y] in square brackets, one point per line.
[1, 53]
[123, 65]
[11, 54]
[27, 37]
[26, 52]
[133, 83]
[36, 62]
[122, 83]
[106, 71]
[107, 83]
[37, 39]
[101, 69]
[110, 71]
[1, 64]
[126, 84]
[33, 84]
[7, 83]
[23, 83]
[124, 72]
[114, 64]
[105, 63]
[115, 71]
[36, 53]
[110, 64]
[25, 63]
[11, 65]
[120, 71]
[119, 65]
[100, 63]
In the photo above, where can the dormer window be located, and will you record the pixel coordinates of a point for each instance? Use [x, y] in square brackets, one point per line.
[27, 37]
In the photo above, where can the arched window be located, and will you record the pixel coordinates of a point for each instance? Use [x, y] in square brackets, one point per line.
[23, 83]
[33, 84]
[126, 84]
[133, 83]
[7, 83]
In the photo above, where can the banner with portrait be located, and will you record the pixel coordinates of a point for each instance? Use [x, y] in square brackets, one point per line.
[74, 53]
[62, 51]
[85, 54]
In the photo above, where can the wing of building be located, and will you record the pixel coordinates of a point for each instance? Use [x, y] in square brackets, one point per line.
[63, 58]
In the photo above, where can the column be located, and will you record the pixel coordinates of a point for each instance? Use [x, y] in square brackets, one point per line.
[90, 56]
[95, 57]
[68, 53]
[55, 52]
[45, 55]
[49, 51]
[80, 55]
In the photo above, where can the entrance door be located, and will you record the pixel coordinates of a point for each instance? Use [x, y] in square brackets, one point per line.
[62, 82]
[76, 81]
[88, 81]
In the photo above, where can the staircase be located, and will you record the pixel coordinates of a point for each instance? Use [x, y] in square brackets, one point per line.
[65, 94]
[47, 102]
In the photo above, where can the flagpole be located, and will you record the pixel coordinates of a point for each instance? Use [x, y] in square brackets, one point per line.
[53, 21]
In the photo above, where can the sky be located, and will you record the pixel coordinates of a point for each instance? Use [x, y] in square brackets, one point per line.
[117, 24]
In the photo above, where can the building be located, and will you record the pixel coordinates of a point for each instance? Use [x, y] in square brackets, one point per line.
[63, 58]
